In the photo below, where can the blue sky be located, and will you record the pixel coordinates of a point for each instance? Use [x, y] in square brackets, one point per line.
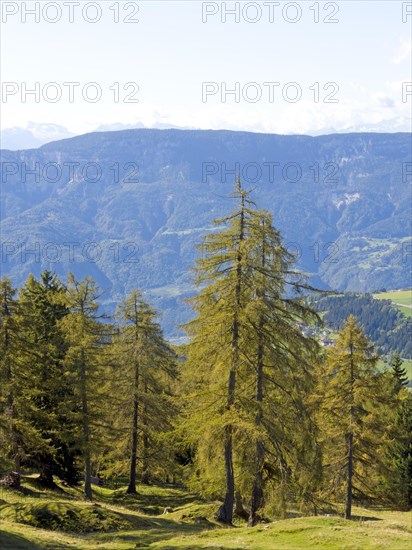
[170, 53]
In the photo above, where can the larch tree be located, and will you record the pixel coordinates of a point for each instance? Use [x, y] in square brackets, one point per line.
[245, 325]
[85, 336]
[145, 365]
[281, 360]
[159, 410]
[352, 415]
[214, 353]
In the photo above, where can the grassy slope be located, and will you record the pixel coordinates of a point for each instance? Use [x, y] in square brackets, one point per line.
[143, 526]
[402, 299]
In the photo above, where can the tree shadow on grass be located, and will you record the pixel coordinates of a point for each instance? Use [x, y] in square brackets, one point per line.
[365, 518]
[191, 547]
[13, 541]
[10, 541]
[34, 485]
[152, 503]
[161, 529]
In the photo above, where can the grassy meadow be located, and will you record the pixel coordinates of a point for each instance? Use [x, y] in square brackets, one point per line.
[402, 299]
[34, 518]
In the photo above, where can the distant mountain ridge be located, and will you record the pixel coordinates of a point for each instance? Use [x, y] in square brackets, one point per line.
[35, 135]
[32, 136]
[128, 207]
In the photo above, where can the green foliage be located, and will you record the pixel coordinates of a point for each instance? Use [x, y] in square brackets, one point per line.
[366, 218]
[51, 444]
[84, 336]
[251, 413]
[66, 517]
[356, 416]
[382, 322]
[398, 372]
[143, 374]
[248, 366]
[12, 426]
[121, 524]
[402, 299]
[398, 485]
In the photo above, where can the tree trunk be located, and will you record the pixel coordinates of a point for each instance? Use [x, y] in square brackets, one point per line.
[239, 510]
[145, 469]
[145, 472]
[16, 454]
[87, 476]
[131, 489]
[86, 431]
[257, 491]
[348, 510]
[46, 476]
[225, 512]
[14, 436]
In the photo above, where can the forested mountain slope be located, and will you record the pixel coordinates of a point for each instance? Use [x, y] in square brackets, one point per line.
[127, 207]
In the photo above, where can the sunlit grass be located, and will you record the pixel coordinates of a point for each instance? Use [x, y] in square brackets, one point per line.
[126, 522]
[402, 299]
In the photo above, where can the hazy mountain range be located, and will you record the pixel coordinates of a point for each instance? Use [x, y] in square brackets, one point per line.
[128, 207]
[34, 135]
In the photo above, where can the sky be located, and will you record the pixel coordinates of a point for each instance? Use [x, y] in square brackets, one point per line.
[293, 67]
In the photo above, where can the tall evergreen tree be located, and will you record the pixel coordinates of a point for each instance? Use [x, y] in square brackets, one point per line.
[217, 332]
[399, 373]
[400, 454]
[244, 326]
[281, 359]
[146, 364]
[84, 336]
[352, 416]
[11, 420]
[398, 480]
[45, 388]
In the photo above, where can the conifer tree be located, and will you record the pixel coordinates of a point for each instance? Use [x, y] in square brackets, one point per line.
[281, 359]
[398, 479]
[146, 364]
[217, 335]
[84, 336]
[400, 454]
[244, 326]
[45, 388]
[11, 421]
[354, 429]
[399, 373]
